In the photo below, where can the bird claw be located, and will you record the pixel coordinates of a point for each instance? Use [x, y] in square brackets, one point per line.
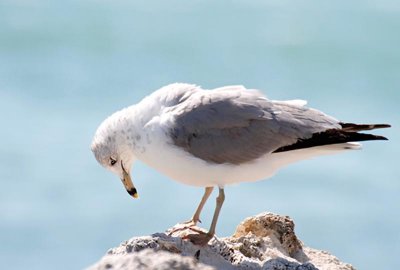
[190, 223]
[187, 226]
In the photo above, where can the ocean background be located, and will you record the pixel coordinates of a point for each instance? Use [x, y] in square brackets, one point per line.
[66, 65]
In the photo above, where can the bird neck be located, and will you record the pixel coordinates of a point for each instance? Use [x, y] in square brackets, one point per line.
[135, 119]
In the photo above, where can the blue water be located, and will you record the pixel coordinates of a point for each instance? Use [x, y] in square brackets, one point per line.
[66, 65]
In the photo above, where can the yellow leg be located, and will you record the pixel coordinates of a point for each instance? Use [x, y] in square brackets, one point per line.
[206, 195]
[203, 238]
[220, 202]
[196, 217]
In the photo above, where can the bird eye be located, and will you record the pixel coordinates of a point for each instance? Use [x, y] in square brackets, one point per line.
[112, 161]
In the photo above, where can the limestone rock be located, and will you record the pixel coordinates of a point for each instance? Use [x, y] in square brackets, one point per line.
[266, 241]
[150, 259]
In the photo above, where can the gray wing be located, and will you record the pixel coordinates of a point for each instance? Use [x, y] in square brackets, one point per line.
[235, 125]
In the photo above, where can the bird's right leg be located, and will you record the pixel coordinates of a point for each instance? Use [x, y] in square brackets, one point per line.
[196, 217]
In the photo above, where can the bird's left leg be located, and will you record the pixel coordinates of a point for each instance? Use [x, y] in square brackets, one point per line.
[196, 217]
[203, 238]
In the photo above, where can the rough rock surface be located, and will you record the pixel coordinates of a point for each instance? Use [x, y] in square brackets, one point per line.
[266, 241]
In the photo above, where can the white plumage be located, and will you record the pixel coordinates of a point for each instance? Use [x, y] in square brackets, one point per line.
[218, 137]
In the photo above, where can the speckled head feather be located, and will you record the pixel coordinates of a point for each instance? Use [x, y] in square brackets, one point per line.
[112, 146]
[112, 137]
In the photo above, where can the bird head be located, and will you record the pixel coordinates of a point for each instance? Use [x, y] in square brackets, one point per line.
[112, 151]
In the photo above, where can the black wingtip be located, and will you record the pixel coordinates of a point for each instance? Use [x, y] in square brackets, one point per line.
[378, 138]
[331, 136]
[357, 137]
[351, 127]
[382, 126]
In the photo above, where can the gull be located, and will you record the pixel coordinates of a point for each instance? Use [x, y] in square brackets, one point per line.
[214, 138]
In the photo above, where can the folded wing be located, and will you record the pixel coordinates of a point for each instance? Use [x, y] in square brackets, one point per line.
[235, 125]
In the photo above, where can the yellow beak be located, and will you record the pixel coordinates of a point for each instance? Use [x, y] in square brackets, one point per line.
[127, 181]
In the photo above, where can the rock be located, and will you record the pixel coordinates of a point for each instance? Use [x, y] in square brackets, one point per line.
[266, 241]
[150, 259]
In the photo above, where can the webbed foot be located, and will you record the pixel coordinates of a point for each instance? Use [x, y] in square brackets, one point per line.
[184, 226]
